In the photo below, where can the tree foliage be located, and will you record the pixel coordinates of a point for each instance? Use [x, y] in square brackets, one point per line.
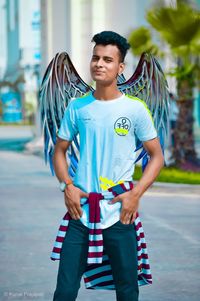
[179, 27]
[141, 41]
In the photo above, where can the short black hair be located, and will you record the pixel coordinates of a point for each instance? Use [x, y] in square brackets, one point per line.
[112, 38]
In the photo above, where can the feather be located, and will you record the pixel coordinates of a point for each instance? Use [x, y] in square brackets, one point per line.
[61, 84]
[149, 84]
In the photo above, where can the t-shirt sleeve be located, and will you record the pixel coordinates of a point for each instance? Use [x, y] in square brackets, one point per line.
[68, 128]
[145, 129]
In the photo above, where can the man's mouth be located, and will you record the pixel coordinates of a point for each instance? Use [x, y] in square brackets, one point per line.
[98, 71]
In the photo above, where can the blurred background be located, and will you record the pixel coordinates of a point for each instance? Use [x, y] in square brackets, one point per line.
[31, 33]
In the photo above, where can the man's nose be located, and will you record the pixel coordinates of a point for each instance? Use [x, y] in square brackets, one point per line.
[100, 63]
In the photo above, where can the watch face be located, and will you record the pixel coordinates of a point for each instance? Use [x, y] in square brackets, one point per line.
[63, 186]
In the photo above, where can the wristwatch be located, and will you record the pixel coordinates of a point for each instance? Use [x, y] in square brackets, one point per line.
[63, 185]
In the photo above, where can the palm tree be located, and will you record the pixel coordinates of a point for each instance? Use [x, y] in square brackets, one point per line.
[179, 28]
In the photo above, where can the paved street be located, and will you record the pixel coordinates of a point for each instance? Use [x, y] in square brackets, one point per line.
[32, 207]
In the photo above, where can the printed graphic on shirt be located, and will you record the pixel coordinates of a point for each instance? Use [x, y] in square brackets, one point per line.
[122, 126]
[106, 183]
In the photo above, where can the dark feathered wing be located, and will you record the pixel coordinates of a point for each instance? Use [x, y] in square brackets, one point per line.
[149, 84]
[61, 83]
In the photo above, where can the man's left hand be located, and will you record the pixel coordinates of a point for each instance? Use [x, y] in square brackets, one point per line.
[130, 204]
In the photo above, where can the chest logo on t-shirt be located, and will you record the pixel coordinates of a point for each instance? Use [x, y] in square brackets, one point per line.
[122, 126]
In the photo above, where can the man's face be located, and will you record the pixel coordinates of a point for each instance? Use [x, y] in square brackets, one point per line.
[105, 64]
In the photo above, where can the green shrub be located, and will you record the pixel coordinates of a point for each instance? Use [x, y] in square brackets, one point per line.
[172, 175]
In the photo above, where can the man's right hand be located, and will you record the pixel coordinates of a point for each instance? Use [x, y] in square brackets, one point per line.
[72, 200]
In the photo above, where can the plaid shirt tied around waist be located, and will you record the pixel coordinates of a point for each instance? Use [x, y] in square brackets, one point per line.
[98, 274]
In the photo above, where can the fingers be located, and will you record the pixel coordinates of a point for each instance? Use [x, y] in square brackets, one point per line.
[72, 201]
[115, 200]
[79, 210]
[74, 209]
[118, 198]
[74, 213]
[84, 194]
[133, 217]
[127, 217]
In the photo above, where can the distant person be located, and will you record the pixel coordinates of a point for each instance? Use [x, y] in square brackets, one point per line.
[107, 122]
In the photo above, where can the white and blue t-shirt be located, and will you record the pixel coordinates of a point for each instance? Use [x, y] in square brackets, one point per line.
[107, 132]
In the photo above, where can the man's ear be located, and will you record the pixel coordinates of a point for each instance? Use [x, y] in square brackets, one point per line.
[121, 68]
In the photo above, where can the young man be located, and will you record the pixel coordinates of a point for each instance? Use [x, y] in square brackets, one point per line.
[107, 122]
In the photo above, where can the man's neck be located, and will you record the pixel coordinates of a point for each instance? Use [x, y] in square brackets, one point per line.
[106, 92]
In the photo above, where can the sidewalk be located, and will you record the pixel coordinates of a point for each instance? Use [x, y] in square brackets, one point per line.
[32, 207]
[15, 137]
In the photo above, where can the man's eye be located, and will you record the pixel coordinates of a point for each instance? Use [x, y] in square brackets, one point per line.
[108, 60]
